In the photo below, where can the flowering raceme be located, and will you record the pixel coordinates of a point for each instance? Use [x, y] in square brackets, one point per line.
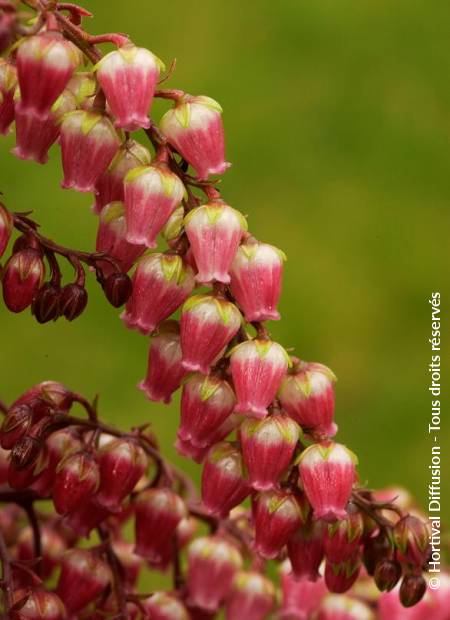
[275, 485]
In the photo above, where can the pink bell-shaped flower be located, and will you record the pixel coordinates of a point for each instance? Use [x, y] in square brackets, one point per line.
[305, 550]
[412, 540]
[252, 597]
[307, 395]
[122, 463]
[111, 239]
[152, 193]
[8, 83]
[219, 433]
[158, 513]
[327, 474]
[223, 479]
[268, 446]
[256, 274]
[301, 598]
[194, 127]
[208, 324]
[206, 403]
[257, 367]
[6, 226]
[339, 577]
[89, 143]
[276, 516]
[35, 135]
[212, 565]
[110, 185]
[77, 478]
[339, 607]
[161, 283]
[22, 277]
[165, 606]
[128, 77]
[84, 576]
[165, 373]
[45, 64]
[342, 538]
[214, 231]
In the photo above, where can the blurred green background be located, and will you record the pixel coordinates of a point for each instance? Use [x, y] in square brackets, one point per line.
[337, 118]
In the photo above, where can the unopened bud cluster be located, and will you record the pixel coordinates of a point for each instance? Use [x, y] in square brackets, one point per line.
[259, 420]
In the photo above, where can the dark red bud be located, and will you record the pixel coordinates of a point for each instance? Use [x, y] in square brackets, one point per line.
[387, 575]
[73, 301]
[22, 279]
[375, 550]
[26, 241]
[117, 289]
[412, 589]
[46, 304]
[15, 425]
[25, 452]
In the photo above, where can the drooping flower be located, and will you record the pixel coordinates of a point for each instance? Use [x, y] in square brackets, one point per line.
[77, 478]
[342, 538]
[257, 367]
[22, 278]
[208, 324]
[8, 82]
[161, 283]
[252, 597]
[256, 274]
[152, 193]
[327, 473]
[305, 550]
[214, 231]
[194, 127]
[165, 606]
[128, 77]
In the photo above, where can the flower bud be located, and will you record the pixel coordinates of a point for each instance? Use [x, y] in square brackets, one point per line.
[206, 402]
[307, 395]
[164, 606]
[23, 477]
[57, 447]
[22, 277]
[174, 225]
[214, 231]
[128, 77]
[35, 135]
[111, 238]
[268, 446]
[45, 63]
[411, 539]
[194, 127]
[152, 193]
[86, 517]
[341, 576]
[342, 538]
[89, 142]
[387, 574]
[77, 478]
[212, 564]
[110, 184]
[376, 549]
[276, 515]
[37, 604]
[73, 300]
[257, 367]
[256, 274]
[84, 576]
[252, 597]
[412, 589]
[6, 226]
[301, 598]
[15, 425]
[122, 463]
[52, 544]
[45, 398]
[223, 480]
[131, 563]
[305, 550]
[158, 513]
[327, 473]
[117, 288]
[335, 607]
[198, 454]
[8, 82]
[207, 325]
[25, 452]
[161, 283]
[45, 306]
[164, 372]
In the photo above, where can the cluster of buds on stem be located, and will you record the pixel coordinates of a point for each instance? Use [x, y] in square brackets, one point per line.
[260, 421]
